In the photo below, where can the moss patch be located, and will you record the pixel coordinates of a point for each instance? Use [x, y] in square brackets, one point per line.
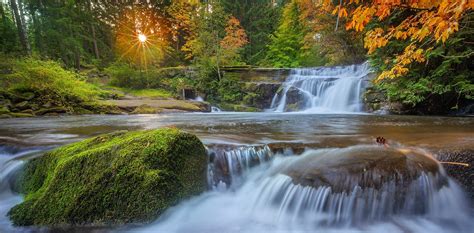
[114, 178]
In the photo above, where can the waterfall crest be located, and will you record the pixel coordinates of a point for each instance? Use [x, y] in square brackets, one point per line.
[323, 89]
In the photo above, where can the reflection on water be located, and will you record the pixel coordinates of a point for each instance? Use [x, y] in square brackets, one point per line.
[256, 128]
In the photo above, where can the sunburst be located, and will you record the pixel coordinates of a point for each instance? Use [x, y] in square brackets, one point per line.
[141, 37]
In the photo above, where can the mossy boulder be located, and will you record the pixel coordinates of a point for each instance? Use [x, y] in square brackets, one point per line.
[118, 178]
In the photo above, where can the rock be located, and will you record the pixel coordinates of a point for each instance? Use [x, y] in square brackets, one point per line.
[51, 110]
[22, 105]
[19, 114]
[20, 97]
[5, 103]
[47, 105]
[4, 116]
[145, 109]
[260, 95]
[82, 111]
[463, 174]
[363, 166]
[28, 95]
[28, 111]
[117, 178]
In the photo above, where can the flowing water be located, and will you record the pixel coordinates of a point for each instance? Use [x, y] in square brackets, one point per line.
[323, 90]
[247, 190]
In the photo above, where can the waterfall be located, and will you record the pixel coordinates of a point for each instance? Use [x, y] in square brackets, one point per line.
[267, 200]
[228, 163]
[322, 89]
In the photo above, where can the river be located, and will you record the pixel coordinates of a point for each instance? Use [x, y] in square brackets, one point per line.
[234, 209]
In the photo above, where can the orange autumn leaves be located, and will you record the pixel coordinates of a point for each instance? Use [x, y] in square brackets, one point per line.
[235, 37]
[429, 22]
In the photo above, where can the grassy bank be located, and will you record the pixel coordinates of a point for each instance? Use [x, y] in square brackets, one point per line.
[33, 87]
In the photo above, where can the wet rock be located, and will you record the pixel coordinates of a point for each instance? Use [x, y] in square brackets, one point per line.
[363, 166]
[463, 174]
[260, 95]
[115, 178]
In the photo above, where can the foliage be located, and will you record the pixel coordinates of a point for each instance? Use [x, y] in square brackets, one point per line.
[444, 82]
[260, 19]
[126, 76]
[235, 38]
[149, 93]
[8, 36]
[119, 178]
[424, 24]
[48, 80]
[230, 90]
[286, 47]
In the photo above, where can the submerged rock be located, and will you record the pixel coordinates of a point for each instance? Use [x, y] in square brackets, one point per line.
[363, 166]
[114, 178]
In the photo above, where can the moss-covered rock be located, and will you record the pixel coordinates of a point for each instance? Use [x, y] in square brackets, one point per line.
[114, 178]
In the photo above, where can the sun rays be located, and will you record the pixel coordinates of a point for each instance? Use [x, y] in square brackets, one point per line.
[141, 37]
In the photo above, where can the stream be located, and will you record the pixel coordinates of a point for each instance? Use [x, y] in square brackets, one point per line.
[254, 197]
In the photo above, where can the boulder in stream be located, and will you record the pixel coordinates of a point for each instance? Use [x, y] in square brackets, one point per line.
[117, 178]
[362, 166]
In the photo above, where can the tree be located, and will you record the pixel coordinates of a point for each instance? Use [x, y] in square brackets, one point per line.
[260, 19]
[286, 46]
[22, 34]
[8, 32]
[233, 42]
[424, 24]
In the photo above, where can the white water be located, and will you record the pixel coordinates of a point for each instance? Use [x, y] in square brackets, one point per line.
[323, 90]
[9, 163]
[267, 201]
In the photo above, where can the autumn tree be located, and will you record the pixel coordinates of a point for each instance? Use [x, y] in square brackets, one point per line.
[235, 38]
[425, 24]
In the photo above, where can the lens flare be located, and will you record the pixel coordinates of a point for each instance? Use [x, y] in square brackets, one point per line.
[142, 38]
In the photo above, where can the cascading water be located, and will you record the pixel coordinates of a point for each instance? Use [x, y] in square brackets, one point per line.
[228, 163]
[9, 163]
[323, 89]
[268, 200]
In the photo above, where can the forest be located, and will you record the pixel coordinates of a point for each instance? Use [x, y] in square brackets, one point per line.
[72, 53]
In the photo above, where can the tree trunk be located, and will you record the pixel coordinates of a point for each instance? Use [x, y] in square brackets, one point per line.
[94, 42]
[21, 29]
[94, 37]
[338, 15]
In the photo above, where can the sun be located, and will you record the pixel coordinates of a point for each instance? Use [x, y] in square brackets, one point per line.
[142, 38]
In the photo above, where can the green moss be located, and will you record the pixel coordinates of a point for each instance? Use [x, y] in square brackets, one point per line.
[4, 110]
[114, 178]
